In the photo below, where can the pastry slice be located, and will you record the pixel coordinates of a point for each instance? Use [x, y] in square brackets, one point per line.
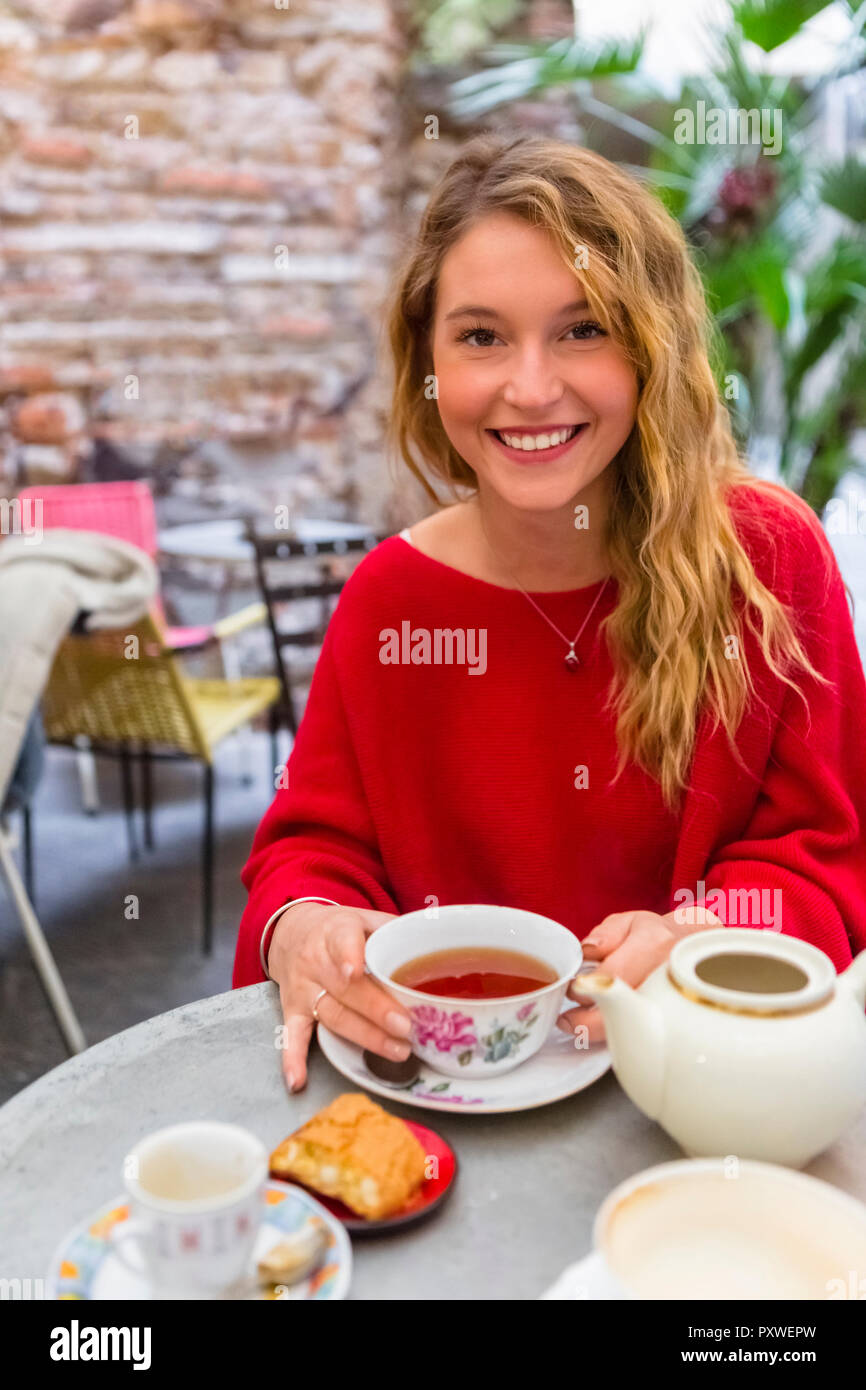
[356, 1151]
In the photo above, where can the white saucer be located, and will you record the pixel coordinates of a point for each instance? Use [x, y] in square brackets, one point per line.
[557, 1070]
[85, 1266]
[589, 1278]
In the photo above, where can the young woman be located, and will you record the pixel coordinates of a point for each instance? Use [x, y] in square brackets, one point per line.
[616, 681]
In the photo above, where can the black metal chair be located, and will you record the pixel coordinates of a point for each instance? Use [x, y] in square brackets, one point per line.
[291, 573]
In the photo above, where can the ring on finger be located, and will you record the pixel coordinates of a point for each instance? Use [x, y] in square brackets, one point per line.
[321, 994]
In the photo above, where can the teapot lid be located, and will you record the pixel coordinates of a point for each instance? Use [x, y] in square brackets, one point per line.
[752, 970]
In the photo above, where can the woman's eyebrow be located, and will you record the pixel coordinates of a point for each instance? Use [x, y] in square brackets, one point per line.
[476, 310]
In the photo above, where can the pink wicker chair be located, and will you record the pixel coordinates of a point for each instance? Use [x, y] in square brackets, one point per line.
[126, 510]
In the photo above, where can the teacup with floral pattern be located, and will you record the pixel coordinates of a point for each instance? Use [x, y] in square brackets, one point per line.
[475, 1037]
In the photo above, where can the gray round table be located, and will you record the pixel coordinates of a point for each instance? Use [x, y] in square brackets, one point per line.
[521, 1210]
[225, 540]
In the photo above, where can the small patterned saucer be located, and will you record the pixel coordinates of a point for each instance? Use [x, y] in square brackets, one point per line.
[557, 1070]
[85, 1266]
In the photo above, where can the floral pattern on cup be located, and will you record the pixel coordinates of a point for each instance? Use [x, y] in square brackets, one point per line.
[502, 1041]
[446, 1031]
[443, 1030]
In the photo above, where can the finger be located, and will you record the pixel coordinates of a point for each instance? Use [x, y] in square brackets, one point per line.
[347, 937]
[325, 969]
[346, 947]
[345, 941]
[586, 1025]
[610, 933]
[365, 997]
[343, 1020]
[378, 918]
[691, 919]
[641, 953]
[297, 1031]
[368, 998]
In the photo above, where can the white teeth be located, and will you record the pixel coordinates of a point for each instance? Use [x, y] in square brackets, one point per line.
[531, 442]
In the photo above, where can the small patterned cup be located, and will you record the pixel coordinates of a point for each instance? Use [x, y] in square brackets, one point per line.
[195, 1196]
[476, 1037]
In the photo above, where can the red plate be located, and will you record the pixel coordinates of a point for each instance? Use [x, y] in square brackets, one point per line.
[430, 1194]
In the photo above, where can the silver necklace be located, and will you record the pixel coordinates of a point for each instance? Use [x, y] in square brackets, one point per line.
[572, 660]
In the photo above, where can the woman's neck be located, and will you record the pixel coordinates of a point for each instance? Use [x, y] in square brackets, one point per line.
[540, 550]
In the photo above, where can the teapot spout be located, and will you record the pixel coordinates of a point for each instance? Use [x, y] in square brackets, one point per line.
[855, 978]
[634, 1029]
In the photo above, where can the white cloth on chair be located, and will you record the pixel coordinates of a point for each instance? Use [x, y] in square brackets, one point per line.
[43, 588]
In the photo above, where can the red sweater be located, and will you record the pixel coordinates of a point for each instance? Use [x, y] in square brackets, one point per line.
[416, 781]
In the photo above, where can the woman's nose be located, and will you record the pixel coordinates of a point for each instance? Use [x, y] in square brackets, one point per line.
[534, 381]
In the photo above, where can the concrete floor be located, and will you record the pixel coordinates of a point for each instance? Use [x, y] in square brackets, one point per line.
[119, 971]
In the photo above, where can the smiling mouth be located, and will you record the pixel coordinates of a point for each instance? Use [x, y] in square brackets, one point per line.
[540, 442]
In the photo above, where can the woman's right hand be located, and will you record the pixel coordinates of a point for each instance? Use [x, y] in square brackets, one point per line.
[313, 947]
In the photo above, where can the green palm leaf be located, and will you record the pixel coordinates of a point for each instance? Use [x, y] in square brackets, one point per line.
[770, 23]
[523, 70]
[844, 188]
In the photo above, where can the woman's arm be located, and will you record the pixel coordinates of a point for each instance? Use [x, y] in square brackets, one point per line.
[317, 838]
[801, 861]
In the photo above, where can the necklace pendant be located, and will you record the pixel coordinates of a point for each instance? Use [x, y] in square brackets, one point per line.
[572, 660]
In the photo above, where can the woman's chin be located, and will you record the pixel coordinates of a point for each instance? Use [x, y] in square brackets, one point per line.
[535, 493]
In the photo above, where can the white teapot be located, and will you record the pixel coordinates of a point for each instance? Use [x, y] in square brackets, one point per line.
[743, 1042]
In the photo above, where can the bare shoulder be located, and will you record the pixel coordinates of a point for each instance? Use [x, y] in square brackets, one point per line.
[444, 535]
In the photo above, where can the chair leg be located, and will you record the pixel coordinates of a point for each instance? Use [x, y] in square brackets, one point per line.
[87, 776]
[291, 716]
[245, 748]
[207, 862]
[274, 728]
[43, 960]
[27, 837]
[147, 796]
[128, 802]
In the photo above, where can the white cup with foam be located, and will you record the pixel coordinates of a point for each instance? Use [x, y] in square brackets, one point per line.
[723, 1228]
[195, 1208]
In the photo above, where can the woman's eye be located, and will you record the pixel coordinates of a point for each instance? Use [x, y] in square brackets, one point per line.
[587, 330]
[471, 333]
[588, 324]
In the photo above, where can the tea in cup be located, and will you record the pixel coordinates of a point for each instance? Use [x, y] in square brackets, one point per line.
[483, 985]
[195, 1196]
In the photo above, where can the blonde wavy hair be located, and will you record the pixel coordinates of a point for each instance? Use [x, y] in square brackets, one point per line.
[670, 538]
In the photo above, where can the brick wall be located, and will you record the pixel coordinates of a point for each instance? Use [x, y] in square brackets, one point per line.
[198, 204]
[201, 202]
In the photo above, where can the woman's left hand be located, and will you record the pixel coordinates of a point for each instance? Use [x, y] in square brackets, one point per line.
[630, 945]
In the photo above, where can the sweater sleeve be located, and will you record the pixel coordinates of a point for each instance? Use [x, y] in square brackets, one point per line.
[317, 838]
[803, 854]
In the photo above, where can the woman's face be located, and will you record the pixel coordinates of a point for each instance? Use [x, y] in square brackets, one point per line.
[527, 358]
